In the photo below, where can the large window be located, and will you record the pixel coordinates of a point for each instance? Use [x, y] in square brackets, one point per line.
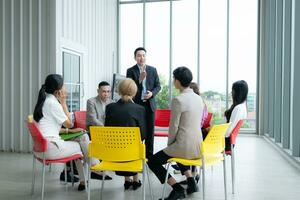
[157, 38]
[131, 33]
[243, 52]
[223, 59]
[213, 56]
[185, 20]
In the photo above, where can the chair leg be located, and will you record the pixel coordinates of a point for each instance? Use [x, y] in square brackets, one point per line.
[225, 179]
[72, 173]
[89, 181]
[66, 178]
[144, 178]
[164, 188]
[43, 177]
[50, 167]
[233, 169]
[33, 175]
[102, 185]
[203, 178]
[149, 182]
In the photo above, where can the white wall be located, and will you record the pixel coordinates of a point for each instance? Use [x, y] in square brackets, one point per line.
[89, 27]
[32, 35]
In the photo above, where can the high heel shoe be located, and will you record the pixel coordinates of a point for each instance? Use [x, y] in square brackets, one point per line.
[136, 185]
[127, 184]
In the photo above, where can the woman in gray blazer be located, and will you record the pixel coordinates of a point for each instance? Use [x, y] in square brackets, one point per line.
[185, 134]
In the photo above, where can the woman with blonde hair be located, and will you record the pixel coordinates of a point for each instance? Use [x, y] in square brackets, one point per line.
[126, 113]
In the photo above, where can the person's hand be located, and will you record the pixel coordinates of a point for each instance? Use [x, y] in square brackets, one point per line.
[142, 76]
[61, 95]
[148, 95]
[74, 130]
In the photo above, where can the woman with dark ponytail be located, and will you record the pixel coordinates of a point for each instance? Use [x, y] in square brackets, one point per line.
[238, 109]
[51, 112]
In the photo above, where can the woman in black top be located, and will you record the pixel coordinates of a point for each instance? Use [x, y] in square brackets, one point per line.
[126, 113]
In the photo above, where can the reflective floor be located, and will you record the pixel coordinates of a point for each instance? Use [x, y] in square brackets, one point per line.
[262, 174]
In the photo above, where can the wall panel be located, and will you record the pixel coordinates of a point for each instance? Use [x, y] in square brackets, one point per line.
[286, 124]
[25, 53]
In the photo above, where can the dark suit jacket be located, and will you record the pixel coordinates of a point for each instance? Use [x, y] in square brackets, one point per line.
[126, 114]
[152, 83]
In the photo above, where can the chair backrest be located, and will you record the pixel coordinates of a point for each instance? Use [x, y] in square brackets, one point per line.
[207, 121]
[235, 131]
[116, 144]
[214, 143]
[80, 119]
[162, 117]
[39, 142]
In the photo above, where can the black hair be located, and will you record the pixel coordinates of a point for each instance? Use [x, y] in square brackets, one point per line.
[195, 88]
[52, 83]
[183, 75]
[139, 49]
[103, 83]
[239, 95]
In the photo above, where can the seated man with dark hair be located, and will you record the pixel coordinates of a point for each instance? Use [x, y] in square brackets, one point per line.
[95, 107]
[184, 134]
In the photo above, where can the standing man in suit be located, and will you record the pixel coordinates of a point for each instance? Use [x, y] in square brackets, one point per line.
[184, 134]
[95, 108]
[147, 81]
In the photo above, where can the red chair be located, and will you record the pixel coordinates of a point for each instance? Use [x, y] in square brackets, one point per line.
[231, 152]
[162, 119]
[208, 120]
[40, 145]
[80, 119]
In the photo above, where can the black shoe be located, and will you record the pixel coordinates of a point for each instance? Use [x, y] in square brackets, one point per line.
[174, 195]
[81, 187]
[183, 182]
[176, 167]
[136, 185]
[100, 177]
[127, 184]
[192, 186]
[197, 177]
[69, 177]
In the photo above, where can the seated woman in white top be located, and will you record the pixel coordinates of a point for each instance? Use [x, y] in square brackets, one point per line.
[238, 110]
[51, 112]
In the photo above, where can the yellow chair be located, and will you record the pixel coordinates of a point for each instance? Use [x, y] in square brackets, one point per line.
[119, 149]
[212, 152]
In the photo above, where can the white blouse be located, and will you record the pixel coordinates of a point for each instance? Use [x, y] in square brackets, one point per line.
[239, 112]
[53, 117]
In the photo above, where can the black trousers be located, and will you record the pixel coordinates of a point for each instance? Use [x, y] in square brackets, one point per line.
[149, 140]
[227, 144]
[156, 163]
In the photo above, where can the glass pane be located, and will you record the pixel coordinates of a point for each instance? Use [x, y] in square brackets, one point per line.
[243, 51]
[67, 67]
[213, 56]
[131, 33]
[157, 45]
[185, 22]
[71, 73]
